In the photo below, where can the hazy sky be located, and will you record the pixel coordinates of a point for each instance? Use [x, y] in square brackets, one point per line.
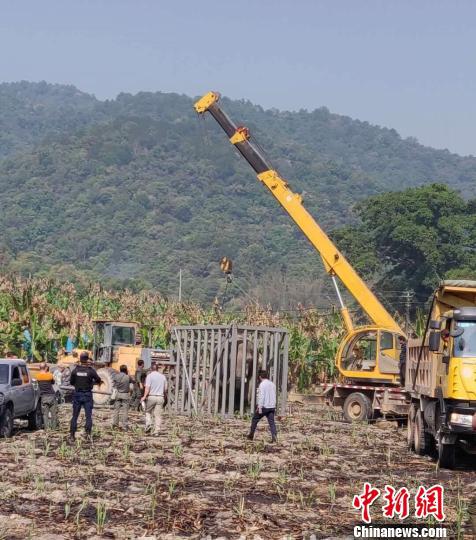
[407, 64]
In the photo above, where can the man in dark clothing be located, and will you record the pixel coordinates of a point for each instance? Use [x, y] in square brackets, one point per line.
[139, 380]
[122, 383]
[403, 359]
[49, 405]
[83, 378]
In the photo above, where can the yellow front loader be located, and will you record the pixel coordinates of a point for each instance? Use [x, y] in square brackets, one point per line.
[115, 343]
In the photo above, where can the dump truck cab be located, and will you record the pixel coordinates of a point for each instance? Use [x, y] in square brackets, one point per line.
[457, 345]
[441, 375]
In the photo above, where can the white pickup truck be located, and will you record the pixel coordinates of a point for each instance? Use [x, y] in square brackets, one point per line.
[19, 396]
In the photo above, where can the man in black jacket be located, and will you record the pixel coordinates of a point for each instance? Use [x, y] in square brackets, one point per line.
[83, 378]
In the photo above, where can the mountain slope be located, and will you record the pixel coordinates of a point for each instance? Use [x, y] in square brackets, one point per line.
[135, 188]
[31, 112]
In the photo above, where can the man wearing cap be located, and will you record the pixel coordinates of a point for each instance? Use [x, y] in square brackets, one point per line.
[83, 378]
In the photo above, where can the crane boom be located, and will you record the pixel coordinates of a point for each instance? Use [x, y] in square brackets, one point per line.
[334, 262]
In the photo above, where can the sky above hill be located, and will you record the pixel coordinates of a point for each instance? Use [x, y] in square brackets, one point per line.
[407, 65]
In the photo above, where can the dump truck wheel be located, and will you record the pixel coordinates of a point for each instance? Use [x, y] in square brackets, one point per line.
[411, 427]
[357, 407]
[446, 455]
[423, 439]
[102, 393]
[6, 423]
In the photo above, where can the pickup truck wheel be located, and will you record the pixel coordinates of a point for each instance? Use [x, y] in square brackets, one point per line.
[446, 455]
[357, 407]
[423, 439]
[35, 418]
[6, 423]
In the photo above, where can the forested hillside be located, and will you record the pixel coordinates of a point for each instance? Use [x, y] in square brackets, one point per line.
[130, 190]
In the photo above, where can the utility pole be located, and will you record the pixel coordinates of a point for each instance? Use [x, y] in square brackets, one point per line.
[407, 295]
[180, 286]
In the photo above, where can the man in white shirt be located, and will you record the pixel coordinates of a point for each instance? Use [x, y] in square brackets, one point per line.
[155, 396]
[266, 406]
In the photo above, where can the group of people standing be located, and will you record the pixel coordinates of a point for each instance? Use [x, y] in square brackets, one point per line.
[146, 391]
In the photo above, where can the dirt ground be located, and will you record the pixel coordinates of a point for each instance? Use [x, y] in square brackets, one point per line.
[202, 478]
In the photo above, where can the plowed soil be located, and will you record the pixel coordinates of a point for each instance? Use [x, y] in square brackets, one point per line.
[202, 478]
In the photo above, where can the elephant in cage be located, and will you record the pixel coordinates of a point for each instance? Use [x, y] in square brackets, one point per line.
[243, 372]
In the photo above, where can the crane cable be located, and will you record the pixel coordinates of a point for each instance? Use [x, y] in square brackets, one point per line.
[203, 129]
[224, 294]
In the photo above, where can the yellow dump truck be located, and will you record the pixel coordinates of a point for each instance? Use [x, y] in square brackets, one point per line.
[441, 376]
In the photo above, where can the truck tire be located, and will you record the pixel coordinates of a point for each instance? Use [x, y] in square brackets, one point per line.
[102, 393]
[446, 455]
[357, 407]
[422, 439]
[35, 418]
[411, 427]
[6, 423]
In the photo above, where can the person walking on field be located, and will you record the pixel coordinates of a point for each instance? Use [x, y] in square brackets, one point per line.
[266, 406]
[49, 405]
[83, 378]
[122, 384]
[155, 395]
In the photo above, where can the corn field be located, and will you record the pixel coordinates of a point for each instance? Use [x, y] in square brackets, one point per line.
[38, 315]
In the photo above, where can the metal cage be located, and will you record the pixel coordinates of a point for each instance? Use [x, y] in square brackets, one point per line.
[214, 369]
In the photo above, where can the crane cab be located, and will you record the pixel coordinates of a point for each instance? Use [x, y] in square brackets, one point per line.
[370, 354]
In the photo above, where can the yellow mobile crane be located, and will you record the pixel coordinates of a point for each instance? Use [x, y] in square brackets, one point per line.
[368, 355]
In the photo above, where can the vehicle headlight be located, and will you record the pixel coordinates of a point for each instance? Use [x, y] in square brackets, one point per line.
[2, 398]
[461, 419]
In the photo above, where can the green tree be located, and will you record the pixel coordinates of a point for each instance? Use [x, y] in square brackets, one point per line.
[414, 238]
